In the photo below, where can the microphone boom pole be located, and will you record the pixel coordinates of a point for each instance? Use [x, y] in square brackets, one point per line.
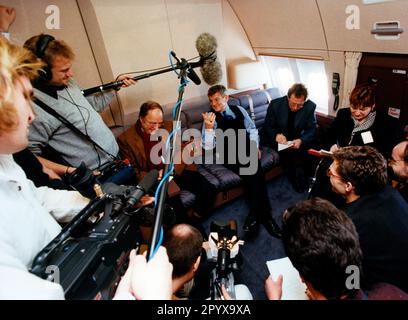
[211, 71]
[168, 161]
[115, 84]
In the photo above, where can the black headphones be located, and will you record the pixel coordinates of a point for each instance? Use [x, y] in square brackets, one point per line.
[40, 47]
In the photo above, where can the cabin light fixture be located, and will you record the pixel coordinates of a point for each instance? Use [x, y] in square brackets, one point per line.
[375, 1]
[387, 30]
[246, 74]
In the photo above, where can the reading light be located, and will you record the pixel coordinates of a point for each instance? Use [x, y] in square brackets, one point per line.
[246, 74]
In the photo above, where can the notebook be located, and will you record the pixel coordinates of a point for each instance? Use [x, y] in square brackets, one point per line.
[292, 287]
[285, 146]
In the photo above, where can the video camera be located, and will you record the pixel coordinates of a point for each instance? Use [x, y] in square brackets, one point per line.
[224, 248]
[83, 179]
[90, 254]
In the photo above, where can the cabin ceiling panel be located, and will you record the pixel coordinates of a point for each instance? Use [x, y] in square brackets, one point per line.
[348, 25]
[291, 24]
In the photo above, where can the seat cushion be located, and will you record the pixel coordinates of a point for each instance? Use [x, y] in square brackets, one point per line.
[202, 169]
[227, 179]
[187, 198]
[269, 158]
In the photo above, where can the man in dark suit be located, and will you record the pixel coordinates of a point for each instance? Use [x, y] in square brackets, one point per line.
[291, 121]
[380, 214]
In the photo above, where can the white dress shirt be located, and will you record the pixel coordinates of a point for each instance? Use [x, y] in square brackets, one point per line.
[208, 135]
[27, 224]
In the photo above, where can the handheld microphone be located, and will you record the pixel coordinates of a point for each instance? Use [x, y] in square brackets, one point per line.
[320, 153]
[141, 189]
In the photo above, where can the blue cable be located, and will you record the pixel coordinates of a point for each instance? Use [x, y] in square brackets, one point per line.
[178, 104]
[169, 139]
[172, 64]
[156, 196]
[175, 109]
[183, 85]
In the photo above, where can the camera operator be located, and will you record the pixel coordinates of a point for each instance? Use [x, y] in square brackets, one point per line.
[29, 215]
[191, 271]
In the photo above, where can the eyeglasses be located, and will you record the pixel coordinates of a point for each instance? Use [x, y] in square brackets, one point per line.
[151, 124]
[330, 173]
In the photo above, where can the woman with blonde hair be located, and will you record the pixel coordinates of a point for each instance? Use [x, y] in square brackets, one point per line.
[28, 216]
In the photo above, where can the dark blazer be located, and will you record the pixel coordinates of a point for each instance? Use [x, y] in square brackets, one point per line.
[381, 221]
[276, 121]
[386, 132]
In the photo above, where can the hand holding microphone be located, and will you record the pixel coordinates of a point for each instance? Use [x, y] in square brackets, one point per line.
[126, 80]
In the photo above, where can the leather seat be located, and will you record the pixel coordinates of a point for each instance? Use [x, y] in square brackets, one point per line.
[256, 104]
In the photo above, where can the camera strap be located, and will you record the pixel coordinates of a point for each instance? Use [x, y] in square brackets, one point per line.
[78, 132]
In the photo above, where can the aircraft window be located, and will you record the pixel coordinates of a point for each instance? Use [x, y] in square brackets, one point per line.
[283, 72]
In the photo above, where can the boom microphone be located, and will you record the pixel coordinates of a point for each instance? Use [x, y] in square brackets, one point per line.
[211, 70]
[206, 45]
[147, 182]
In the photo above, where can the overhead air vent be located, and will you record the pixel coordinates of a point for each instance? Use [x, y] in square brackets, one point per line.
[387, 30]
